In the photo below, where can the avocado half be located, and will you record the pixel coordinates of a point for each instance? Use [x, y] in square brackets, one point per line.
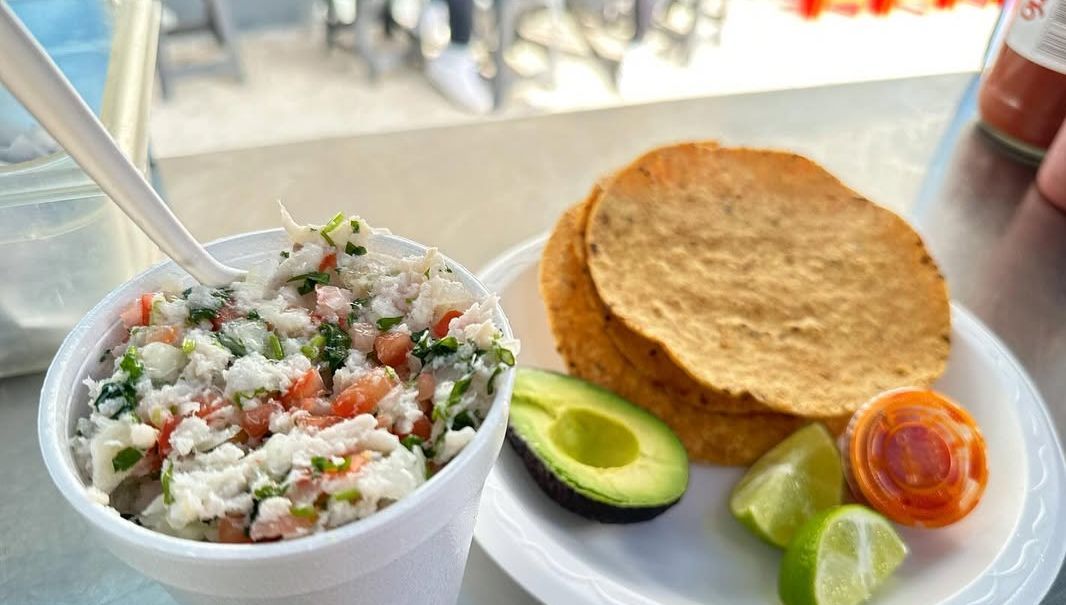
[592, 451]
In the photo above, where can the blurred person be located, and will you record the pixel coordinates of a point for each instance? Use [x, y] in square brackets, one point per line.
[455, 72]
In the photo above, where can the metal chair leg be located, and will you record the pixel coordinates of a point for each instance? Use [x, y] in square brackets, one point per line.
[221, 25]
[162, 67]
[506, 17]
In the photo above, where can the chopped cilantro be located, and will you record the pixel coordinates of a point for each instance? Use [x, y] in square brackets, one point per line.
[463, 419]
[458, 389]
[309, 281]
[125, 459]
[284, 254]
[355, 225]
[253, 314]
[358, 303]
[410, 441]
[425, 347]
[273, 349]
[131, 364]
[208, 313]
[270, 490]
[448, 344]
[118, 390]
[232, 343]
[354, 250]
[335, 344]
[387, 322]
[202, 313]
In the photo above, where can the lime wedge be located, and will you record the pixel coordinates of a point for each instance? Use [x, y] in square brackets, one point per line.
[799, 477]
[839, 557]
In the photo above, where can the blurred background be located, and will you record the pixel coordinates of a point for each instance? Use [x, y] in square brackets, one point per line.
[290, 70]
[243, 73]
[188, 86]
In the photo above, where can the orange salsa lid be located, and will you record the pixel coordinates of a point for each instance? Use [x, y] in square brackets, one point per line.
[917, 457]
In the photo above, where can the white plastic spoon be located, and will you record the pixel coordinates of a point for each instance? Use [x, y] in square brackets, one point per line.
[37, 83]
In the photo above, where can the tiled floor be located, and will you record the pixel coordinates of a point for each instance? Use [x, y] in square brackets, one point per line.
[295, 91]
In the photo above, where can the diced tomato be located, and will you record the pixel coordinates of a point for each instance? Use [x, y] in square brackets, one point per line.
[256, 421]
[362, 395]
[140, 312]
[317, 406]
[164, 334]
[151, 462]
[426, 385]
[308, 385]
[231, 530]
[225, 313]
[440, 329]
[392, 348]
[146, 307]
[209, 404]
[165, 432]
[329, 261]
[421, 428]
[286, 526]
[316, 422]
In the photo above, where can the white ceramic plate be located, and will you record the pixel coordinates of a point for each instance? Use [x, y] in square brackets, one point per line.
[1008, 550]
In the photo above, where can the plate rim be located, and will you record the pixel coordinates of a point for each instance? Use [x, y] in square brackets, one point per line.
[545, 578]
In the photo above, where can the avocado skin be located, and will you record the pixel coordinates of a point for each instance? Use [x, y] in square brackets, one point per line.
[570, 499]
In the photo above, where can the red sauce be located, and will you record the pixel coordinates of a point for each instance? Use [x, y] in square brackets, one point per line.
[917, 457]
[1023, 100]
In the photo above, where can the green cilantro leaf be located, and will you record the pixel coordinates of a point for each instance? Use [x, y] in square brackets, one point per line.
[126, 458]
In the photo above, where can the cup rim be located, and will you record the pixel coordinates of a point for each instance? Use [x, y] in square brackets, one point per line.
[70, 484]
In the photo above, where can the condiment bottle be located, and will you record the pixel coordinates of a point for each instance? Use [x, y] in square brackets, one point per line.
[1051, 178]
[1023, 97]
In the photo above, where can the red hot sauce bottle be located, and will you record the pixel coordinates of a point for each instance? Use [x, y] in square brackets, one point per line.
[1023, 97]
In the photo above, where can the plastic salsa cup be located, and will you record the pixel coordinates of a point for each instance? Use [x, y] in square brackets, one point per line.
[413, 551]
[915, 456]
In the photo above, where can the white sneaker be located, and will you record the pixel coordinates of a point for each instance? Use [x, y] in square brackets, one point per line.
[454, 73]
